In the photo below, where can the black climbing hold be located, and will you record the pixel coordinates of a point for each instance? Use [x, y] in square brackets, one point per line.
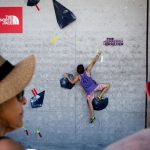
[63, 15]
[32, 2]
[100, 104]
[37, 100]
[64, 83]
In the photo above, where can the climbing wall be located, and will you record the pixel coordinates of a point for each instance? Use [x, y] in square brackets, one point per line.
[63, 118]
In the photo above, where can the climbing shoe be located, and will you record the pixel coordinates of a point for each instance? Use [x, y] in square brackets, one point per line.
[100, 98]
[92, 119]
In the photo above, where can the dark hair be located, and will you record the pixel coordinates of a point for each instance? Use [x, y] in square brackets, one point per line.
[80, 69]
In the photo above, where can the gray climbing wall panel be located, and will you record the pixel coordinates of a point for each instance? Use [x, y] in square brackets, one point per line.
[63, 119]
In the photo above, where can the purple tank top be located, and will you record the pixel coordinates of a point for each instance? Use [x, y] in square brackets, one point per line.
[87, 83]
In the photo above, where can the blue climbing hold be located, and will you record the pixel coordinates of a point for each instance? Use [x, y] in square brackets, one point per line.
[99, 104]
[63, 15]
[37, 100]
[64, 83]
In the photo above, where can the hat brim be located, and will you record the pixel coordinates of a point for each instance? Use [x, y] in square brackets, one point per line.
[17, 79]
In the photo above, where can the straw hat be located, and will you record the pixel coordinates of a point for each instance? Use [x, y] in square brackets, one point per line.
[13, 79]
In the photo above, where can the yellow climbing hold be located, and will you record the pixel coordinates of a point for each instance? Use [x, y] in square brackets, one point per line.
[54, 39]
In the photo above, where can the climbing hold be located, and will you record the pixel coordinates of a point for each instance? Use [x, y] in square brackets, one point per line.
[37, 99]
[99, 104]
[54, 39]
[63, 15]
[26, 131]
[32, 2]
[38, 133]
[64, 83]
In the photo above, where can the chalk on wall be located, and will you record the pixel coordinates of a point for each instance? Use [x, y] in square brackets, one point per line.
[63, 15]
[102, 57]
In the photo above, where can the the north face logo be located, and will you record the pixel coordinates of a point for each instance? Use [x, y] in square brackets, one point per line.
[10, 20]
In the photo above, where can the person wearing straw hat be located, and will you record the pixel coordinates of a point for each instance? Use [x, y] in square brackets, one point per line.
[13, 80]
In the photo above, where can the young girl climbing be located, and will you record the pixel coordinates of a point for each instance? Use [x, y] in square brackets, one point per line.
[89, 85]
